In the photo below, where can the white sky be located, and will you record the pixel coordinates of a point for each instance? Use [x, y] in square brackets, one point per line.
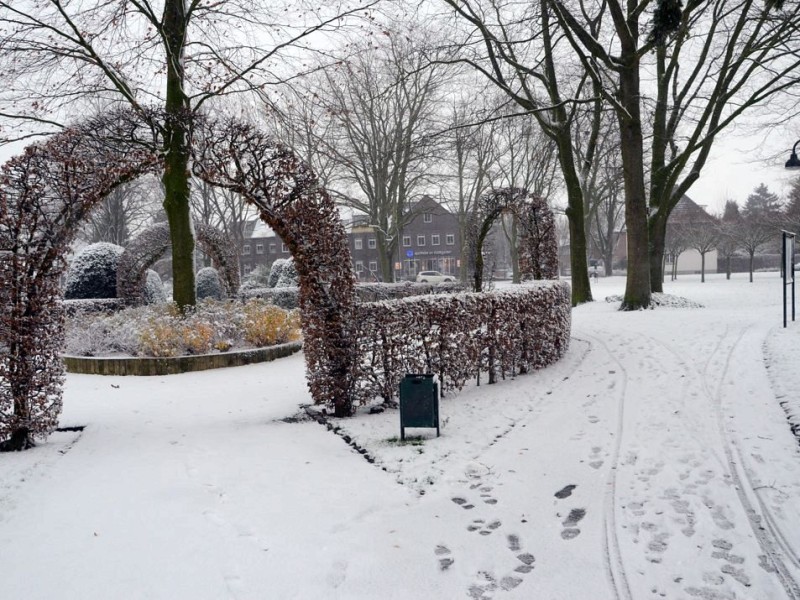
[740, 162]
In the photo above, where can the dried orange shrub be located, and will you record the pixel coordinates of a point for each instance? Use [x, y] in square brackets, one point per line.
[197, 337]
[266, 324]
[161, 338]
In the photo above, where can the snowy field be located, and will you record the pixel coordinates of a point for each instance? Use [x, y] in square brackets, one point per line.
[654, 461]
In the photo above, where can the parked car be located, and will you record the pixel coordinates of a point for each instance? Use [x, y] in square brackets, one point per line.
[434, 277]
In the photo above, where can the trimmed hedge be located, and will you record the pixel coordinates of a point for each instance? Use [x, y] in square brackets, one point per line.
[460, 336]
[374, 292]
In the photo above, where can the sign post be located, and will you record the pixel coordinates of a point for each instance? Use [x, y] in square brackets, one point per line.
[787, 266]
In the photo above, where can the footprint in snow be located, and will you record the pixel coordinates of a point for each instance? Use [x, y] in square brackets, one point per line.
[575, 516]
[445, 560]
[565, 492]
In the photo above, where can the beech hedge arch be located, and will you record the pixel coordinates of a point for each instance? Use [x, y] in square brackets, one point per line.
[539, 244]
[143, 252]
[48, 191]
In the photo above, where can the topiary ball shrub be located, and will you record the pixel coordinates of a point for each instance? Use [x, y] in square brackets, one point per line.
[289, 276]
[93, 272]
[208, 284]
[154, 292]
[276, 271]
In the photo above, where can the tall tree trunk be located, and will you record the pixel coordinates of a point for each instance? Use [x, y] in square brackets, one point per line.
[637, 285]
[657, 235]
[176, 159]
[581, 289]
[702, 267]
[386, 252]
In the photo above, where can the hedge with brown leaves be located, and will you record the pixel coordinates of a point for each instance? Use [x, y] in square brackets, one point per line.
[460, 336]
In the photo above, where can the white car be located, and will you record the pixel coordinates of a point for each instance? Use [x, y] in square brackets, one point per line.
[434, 277]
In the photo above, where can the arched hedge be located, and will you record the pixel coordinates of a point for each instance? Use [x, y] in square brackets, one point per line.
[150, 245]
[538, 244]
[48, 191]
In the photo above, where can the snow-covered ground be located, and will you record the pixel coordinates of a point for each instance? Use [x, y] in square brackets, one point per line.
[654, 461]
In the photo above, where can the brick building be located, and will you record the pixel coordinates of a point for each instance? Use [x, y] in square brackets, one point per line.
[429, 242]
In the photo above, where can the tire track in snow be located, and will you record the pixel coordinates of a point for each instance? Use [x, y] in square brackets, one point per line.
[615, 569]
[771, 538]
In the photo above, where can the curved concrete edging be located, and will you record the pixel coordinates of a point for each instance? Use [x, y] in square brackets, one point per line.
[179, 364]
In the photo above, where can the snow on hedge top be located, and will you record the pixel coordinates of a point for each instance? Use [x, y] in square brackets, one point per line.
[93, 272]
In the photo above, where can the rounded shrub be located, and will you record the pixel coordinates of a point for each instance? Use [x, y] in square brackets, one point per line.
[93, 272]
[154, 292]
[276, 271]
[208, 284]
[289, 276]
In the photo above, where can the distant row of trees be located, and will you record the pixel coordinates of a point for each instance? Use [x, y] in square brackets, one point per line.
[752, 229]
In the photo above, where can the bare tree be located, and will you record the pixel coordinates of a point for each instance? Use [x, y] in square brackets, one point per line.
[757, 226]
[124, 212]
[676, 244]
[180, 55]
[381, 109]
[516, 47]
[222, 209]
[741, 55]
[703, 237]
[472, 157]
[728, 241]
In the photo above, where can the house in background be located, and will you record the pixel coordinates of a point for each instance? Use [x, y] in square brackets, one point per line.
[687, 219]
[430, 241]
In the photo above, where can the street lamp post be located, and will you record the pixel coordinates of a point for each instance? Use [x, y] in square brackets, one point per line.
[793, 162]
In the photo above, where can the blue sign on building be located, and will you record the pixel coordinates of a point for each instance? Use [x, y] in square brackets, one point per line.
[410, 253]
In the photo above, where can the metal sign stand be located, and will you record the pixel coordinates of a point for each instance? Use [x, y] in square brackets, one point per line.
[787, 251]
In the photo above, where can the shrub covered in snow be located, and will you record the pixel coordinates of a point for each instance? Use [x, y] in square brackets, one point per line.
[460, 336]
[154, 292]
[276, 270]
[93, 272]
[160, 330]
[208, 284]
[287, 298]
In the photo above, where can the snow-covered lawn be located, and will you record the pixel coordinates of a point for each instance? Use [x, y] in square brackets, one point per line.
[654, 461]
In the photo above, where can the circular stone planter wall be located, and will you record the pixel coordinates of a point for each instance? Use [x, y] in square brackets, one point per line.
[178, 364]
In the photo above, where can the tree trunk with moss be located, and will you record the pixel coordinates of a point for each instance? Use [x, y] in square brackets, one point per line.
[176, 157]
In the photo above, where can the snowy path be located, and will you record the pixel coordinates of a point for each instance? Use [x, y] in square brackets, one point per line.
[653, 461]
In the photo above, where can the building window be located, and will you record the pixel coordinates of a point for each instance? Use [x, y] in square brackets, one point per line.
[272, 248]
[246, 249]
[406, 241]
[373, 266]
[359, 266]
[284, 249]
[435, 240]
[420, 240]
[450, 239]
[247, 268]
[427, 218]
[259, 248]
[359, 243]
[372, 243]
